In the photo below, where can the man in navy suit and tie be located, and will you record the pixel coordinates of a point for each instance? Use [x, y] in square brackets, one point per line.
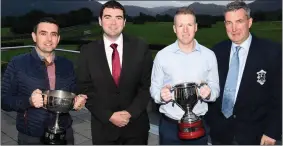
[248, 110]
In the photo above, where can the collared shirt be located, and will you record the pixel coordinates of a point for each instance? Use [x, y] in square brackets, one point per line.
[243, 54]
[109, 50]
[50, 70]
[172, 66]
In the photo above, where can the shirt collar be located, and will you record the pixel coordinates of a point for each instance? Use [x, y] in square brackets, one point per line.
[107, 42]
[43, 59]
[245, 45]
[176, 47]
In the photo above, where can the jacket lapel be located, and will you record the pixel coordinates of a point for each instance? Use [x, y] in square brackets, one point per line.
[250, 68]
[223, 62]
[102, 61]
[127, 53]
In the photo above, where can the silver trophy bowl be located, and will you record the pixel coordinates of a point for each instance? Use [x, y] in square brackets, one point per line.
[186, 96]
[58, 101]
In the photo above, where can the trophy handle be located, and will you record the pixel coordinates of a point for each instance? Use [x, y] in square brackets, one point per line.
[44, 97]
[198, 88]
[173, 99]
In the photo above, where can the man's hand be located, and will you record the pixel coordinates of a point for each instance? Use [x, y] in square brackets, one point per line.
[126, 115]
[204, 91]
[36, 99]
[265, 140]
[80, 101]
[165, 93]
[119, 119]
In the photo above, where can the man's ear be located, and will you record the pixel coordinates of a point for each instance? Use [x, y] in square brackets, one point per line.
[174, 28]
[59, 38]
[250, 22]
[33, 35]
[196, 27]
[125, 22]
[99, 21]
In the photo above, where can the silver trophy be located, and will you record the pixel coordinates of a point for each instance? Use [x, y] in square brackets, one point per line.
[57, 101]
[186, 97]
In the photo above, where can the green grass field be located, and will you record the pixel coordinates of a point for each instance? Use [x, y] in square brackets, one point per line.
[162, 33]
[154, 33]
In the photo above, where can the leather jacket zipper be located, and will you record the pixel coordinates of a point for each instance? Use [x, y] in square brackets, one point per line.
[25, 117]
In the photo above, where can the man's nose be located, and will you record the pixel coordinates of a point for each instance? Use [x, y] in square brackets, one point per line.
[49, 37]
[185, 29]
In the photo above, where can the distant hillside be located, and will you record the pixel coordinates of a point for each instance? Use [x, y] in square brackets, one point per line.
[265, 5]
[135, 11]
[216, 10]
[21, 7]
[161, 9]
[209, 9]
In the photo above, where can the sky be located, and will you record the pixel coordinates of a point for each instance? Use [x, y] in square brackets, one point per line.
[150, 4]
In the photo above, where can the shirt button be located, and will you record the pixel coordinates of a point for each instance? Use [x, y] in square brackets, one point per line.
[234, 116]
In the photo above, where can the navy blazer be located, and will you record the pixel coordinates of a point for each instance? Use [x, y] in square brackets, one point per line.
[258, 108]
[23, 75]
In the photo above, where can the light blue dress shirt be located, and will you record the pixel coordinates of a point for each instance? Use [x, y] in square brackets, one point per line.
[172, 66]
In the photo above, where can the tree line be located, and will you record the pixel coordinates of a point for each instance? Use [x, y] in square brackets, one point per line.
[24, 24]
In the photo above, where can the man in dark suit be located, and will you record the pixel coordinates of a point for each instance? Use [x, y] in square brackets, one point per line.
[248, 110]
[114, 72]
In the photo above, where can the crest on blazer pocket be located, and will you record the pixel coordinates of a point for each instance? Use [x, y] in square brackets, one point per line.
[261, 77]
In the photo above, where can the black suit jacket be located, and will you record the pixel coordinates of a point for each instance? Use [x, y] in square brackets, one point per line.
[258, 108]
[104, 98]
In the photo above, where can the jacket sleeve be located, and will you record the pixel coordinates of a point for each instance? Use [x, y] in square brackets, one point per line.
[10, 100]
[274, 116]
[141, 100]
[72, 83]
[85, 86]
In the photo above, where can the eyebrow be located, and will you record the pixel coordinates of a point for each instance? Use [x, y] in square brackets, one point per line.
[42, 31]
[119, 16]
[186, 23]
[47, 32]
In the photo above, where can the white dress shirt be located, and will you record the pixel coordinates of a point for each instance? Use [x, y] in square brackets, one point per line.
[243, 54]
[109, 50]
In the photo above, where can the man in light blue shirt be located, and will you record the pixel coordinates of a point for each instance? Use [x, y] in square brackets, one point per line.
[183, 61]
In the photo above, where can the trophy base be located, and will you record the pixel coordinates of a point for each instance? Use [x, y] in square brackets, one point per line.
[191, 130]
[54, 139]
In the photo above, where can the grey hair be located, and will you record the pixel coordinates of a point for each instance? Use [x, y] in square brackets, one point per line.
[236, 5]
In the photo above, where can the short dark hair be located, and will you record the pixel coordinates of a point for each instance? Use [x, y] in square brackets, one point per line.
[112, 4]
[47, 20]
[185, 10]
